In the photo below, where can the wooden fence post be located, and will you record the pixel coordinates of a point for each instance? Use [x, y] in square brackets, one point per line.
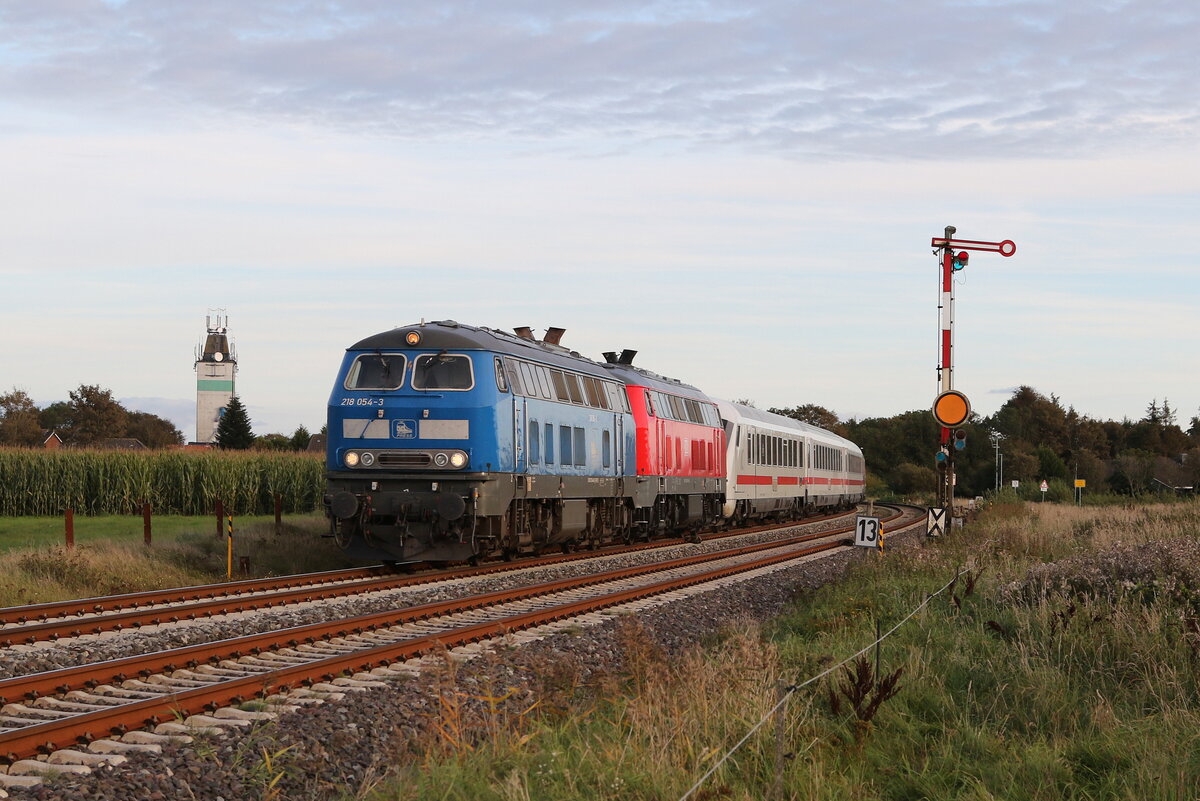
[70, 527]
[146, 533]
[220, 518]
[278, 514]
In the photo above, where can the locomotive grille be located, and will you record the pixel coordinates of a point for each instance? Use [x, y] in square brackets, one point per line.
[405, 459]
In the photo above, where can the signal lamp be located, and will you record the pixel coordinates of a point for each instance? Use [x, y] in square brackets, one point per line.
[413, 337]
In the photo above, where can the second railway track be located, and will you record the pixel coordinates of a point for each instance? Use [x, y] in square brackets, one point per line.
[53, 621]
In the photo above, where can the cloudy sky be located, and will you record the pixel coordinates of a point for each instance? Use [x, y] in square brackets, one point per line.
[744, 192]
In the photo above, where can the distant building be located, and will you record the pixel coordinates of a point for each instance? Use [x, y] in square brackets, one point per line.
[51, 441]
[120, 444]
[216, 370]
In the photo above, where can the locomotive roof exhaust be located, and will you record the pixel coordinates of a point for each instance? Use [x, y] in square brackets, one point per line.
[626, 356]
[524, 332]
[553, 335]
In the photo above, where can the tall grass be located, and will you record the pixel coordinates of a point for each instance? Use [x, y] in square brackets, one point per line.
[95, 482]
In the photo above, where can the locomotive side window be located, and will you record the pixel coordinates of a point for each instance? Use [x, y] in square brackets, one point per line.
[549, 443]
[573, 387]
[450, 371]
[514, 377]
[606, 449]
[560, 386]
[377, 371]
[564, 444]
[527, 379]
[580, 447]
[677, 409]
[535, 442]
[543, 382]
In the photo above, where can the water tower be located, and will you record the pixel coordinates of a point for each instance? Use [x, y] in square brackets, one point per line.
[216, 368]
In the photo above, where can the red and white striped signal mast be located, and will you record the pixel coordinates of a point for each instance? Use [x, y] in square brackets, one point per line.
[951, 408]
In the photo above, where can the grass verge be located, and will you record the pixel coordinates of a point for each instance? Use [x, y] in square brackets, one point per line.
[109, 556]
[1063, 664]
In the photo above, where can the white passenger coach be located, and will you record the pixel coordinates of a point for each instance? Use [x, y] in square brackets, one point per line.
[779, 467]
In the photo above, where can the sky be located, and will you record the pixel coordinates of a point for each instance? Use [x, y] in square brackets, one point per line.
[743, 192]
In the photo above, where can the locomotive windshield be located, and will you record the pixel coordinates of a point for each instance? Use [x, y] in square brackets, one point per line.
[377, 371]
[443, 371]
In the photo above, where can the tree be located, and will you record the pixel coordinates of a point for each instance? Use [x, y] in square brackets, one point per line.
[272, 442]
[153, 431]
[95, 415]
[233, 432]
[810, 413]
[300, 438]
[56, 415]
[19, 423]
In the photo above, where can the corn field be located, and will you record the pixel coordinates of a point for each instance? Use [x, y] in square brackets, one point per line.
[34, 482]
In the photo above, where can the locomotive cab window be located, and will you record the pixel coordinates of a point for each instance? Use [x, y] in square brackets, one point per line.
[376, 371]
[501, 380]
[443, 371]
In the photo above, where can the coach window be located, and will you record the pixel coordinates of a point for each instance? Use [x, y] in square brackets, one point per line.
[376, 371]
[564, 445]
[549, 443]
[535, 442]
[445, 371]
[580, 447]
[606, 449]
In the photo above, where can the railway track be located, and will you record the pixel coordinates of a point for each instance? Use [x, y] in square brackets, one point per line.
[27, 625]
[46, 712]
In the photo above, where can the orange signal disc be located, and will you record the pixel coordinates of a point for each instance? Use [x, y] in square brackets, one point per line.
[951, 408]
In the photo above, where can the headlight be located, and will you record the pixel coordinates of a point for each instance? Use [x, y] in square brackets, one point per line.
[368, 459]
[458, 459]
[351, 459]
[440, 459]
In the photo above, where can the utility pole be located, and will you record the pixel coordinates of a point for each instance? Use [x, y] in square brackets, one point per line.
[996, 437]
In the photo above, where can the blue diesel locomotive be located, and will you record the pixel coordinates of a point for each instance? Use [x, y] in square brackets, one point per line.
[448, 442]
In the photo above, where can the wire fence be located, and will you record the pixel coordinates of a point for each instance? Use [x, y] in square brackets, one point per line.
[792, 689]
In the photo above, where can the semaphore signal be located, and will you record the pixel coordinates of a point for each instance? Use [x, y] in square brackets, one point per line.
[951, 408]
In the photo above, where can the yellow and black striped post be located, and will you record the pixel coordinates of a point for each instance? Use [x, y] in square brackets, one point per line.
[229, 547]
